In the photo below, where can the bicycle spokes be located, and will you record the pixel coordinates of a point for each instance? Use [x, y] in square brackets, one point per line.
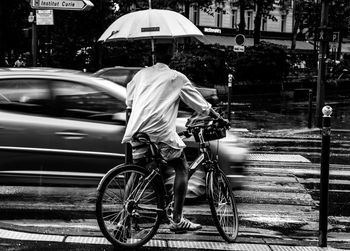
[223, 206]
[129, 206]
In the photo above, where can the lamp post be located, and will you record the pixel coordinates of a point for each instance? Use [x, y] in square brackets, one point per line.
[321, 77]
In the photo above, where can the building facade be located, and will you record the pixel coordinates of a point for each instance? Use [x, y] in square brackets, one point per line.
[224, 21]
[228, 17]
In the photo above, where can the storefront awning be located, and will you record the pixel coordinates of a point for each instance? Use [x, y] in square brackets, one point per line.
[230, 41]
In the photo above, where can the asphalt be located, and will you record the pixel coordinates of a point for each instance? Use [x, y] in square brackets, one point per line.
[64, 224]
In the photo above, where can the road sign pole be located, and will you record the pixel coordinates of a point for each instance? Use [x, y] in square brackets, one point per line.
[229, 96]
[34, 39]
[324, 179]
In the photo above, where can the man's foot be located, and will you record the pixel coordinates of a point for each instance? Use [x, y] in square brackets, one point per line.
[183, 226]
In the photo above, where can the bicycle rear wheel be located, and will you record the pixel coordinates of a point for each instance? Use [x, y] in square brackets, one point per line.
[222, 204]
[128, 206]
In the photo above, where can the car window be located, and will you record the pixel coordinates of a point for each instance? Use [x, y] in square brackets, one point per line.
[25, 95]
[75, 100]
[119, 76]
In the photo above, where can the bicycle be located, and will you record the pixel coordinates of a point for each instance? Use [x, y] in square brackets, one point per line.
[132, 200]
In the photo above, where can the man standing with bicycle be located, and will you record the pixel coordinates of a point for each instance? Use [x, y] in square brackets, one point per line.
[154, 95]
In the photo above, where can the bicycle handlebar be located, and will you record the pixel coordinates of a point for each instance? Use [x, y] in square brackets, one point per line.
[212, 130]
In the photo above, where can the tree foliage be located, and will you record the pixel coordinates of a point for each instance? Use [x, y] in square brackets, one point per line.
[13, 18]
[265, 62]
[205, 65]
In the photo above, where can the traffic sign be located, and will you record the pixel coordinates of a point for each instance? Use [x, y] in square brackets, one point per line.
[335, 36]
[240, 39]
[78, 5]
[238, 48]
[44, 17]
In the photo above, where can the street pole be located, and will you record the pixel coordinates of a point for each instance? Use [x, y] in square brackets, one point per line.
[321, 77]
[309, 121]
[229, 96]
[31, 19]
[324, 179]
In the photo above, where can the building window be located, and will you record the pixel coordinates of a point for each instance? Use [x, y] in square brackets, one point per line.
[249, 20]
[283, 23]
[218, 20]
[264, 24]
[196, 13]
[234, 19]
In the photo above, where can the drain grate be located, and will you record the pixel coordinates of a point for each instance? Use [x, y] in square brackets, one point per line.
[277, 157]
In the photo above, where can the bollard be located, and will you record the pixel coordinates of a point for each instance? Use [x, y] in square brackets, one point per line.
[229, 84]
[324, 179]
[128, 149]
[309, 122]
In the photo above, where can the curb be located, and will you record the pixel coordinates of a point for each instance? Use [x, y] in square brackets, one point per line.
[157, 243]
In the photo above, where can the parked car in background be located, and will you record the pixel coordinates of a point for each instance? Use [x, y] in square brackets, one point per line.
[122, 76]
[60, 127]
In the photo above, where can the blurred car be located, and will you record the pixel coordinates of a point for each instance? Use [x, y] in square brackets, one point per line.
[60, 127]
[122, 76]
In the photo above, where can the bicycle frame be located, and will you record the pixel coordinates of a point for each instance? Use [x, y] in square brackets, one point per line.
[204, 157]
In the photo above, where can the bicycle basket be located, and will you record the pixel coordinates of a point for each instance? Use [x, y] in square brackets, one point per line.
[213, 133]
[211, 130]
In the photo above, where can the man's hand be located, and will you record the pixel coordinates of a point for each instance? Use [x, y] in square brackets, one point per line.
[223, 122]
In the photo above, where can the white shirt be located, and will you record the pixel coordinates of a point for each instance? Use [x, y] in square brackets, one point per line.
[154, 95]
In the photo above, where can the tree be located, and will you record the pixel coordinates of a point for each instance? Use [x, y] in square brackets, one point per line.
[268, 62]
[263, 8]
[241, 25]
[13, 18]
[306, 19]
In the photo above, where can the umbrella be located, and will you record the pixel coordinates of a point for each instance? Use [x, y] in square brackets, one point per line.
[150, 24]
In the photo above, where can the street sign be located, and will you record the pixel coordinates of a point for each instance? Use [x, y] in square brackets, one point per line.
[238, 48]
[44, 17]
[335, 37]
[79, 5]
[334, 43]
[240, 39]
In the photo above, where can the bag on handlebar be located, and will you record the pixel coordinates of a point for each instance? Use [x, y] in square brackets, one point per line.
[212, 131]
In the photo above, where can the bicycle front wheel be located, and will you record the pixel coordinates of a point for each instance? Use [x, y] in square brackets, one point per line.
[222, 204]
[128, 206]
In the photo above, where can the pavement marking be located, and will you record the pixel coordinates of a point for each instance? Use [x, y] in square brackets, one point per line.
[193, 245]
[299, 248]
[277, 157]
[87, 240]
[15, 235]
[218, 246]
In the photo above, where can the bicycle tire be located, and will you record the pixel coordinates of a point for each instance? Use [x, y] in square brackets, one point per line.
[220, 196]
[123, 226]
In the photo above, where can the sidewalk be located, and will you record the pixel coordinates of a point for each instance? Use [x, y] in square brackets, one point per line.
[87, 233]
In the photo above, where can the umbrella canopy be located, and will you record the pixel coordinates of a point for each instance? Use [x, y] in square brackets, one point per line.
[150, 24]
